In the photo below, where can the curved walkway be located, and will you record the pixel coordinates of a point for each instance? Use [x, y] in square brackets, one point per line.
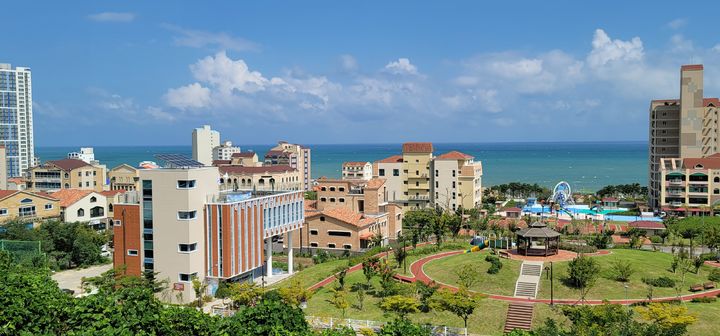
[416, 268]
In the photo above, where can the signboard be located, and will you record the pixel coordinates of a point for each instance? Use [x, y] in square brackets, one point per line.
[179, 286]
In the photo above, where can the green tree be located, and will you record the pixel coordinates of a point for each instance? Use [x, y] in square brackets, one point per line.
[339, 299]
[621, 270]
[668, 316]
[468, 275]
[425, 293]
[340, 274]
[461, 303]
[387, 281]
[245, 294]
[400, 305]
[402, 327]
[269, 317]
[583, 272]
[295, 293]
[199, 288]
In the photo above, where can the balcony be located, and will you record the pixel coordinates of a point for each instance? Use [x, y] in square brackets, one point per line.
[674, 182]
[419, 198]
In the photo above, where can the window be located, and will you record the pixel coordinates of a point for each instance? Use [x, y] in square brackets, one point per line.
[110, 207]
[26, 200]
[314, 232]
[437, 184]
[187, 215]
[339, 233]
[717, 179]
[341, 189]
[417, 172]
[323, 189]
[3, 212]
[396, 172]
[341, 200]
[87, 173]
[453, 173]
[133, 253]
[716, 191]
[186, 184]
[87, 183]
[93, 199]
[381, 172]
[332, 188]
[117, 222]
[453, 184]
[437, 172]
[185, 277]
[97, 211]
[81, 212]
[185, 248]
[48, 206]
[313, 244]
[347, 246]
[331, 245]
[322, 218]
[323, 199]
[332, 199]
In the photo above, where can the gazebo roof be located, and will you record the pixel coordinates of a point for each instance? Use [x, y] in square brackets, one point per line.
[538, 230]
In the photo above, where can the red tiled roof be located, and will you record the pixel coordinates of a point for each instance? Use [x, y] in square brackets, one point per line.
[708, 101]
[277, 153]
[691, 67]
[68, 197]
[354, 164]
[454, 155]
[68, 164]
[244, 154]
[417, 147]
[375, 183]
[706, 163]
[110, 193]
[16, 180]
[512, 210]
[609, 199]
[255, 170]
[647, 225]
[220, 162]
[7, 193]
[348, 216]
[392, 159]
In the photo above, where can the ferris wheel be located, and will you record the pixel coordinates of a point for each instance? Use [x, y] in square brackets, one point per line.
[562, 194]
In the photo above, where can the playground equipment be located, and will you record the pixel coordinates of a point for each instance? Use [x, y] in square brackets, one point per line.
[481, 242]
[562, 197]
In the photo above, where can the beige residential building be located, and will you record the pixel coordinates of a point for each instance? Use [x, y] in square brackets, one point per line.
[124, 177]
[3, 168]
[457, 181]
[296, 156]
[27, 206]
[78, 205]
[357, 170]
[204, 140]
[279, 177]
[66, 174]
[681, 128]
[690, 186]
[113, 197]
[416, 165]
[247, 159]
[225, 151]
[391, 169]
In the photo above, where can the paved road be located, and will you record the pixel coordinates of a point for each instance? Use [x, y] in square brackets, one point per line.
[72, 279]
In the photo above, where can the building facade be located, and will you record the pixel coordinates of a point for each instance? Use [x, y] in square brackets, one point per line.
[225, 151]
[681, 128]
[182, 226]
[16, 118]
[3, 168]
[24, 205]
[204, 140]
[293, 155]
[391, 169]
[456, 181]
[78, 205]
[690, 186]
[66, 174]
[124, 177]
[357, 170]
[280, 177]
[86, 154]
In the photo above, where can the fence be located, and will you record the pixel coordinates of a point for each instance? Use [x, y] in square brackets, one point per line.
[21, 251]
[357, 325]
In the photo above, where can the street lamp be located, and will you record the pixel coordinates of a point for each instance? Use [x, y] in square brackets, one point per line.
[626, 291]
[549, 274]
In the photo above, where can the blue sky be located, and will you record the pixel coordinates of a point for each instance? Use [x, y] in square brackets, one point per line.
[134, 73]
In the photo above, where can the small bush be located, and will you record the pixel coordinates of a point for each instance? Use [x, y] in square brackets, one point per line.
[708, 256]
[714, 275]
[656, 239]
[494, 268]
[704, 299]
[578, 248]
[495, 264]
[662, 281]
[491, 258]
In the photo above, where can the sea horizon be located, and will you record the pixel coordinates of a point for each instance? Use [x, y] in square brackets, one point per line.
[586, 165]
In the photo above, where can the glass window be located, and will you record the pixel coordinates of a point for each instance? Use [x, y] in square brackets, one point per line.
[340, 233]
[187, 247]
[185, 277]
[3, 212]
[381, 172]
[331, 245]
[396, 172]
[187, 215]
[48, 206]
[186, 184]
[132, 252]
[314, 232]
[81, 212]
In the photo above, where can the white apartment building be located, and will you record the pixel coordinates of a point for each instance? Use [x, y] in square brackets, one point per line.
[204, 140]
[225, 151]
[293, 155]
[86, 154]
[357, 170]
[16, 118]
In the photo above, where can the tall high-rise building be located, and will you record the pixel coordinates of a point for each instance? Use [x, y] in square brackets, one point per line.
[16, 118]
[681, 128]
[296, 156]
[204, 140]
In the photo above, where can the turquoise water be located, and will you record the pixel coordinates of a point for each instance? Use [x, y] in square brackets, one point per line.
[586, 166]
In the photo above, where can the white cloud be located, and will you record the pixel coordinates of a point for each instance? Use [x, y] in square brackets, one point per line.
[606, 50]
[348, 63]
[112, 17]
[188, 97]
[677, 23]
[681, 44]
[158, 114]
[202, 39]
[401, 67]
[228, 75]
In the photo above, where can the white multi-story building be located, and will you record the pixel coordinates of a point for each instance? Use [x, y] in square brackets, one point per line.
[16, 118]
[204, 140]
[86, 154]
[225, 151]
[357, 170]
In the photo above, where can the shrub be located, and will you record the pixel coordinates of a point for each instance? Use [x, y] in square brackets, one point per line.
[578, 248]
[714, 275]
[621, 270]
[494, 268]
[495, 264]
[662, 281]
[708, 256]
[704, 299]
[656, 239]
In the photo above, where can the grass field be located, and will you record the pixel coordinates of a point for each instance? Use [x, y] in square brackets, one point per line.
[646, 264]
[502, 283]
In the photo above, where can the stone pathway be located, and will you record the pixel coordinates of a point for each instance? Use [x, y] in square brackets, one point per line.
[527, 283]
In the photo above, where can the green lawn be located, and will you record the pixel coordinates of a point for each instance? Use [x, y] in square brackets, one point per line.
[646, 264]
[502, 283]
[708, 315]
[313, 274]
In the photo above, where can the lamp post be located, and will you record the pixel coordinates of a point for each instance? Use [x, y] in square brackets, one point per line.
[549, 274]
[626, 291]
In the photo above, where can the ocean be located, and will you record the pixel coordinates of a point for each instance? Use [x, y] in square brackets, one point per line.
[587, 166]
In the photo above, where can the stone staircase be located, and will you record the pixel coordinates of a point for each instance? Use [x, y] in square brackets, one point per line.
[519, 316]
[529, 279]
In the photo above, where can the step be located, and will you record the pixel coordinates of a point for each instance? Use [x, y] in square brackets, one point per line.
[519, 316]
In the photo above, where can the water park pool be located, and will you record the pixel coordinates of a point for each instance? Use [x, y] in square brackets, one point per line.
[574, 209]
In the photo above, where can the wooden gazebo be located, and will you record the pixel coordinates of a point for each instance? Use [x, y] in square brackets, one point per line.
[538, 240]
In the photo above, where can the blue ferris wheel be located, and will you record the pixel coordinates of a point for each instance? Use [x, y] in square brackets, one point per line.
[562, 195]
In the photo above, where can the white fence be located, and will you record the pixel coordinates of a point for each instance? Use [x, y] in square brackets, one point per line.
[357, 325]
